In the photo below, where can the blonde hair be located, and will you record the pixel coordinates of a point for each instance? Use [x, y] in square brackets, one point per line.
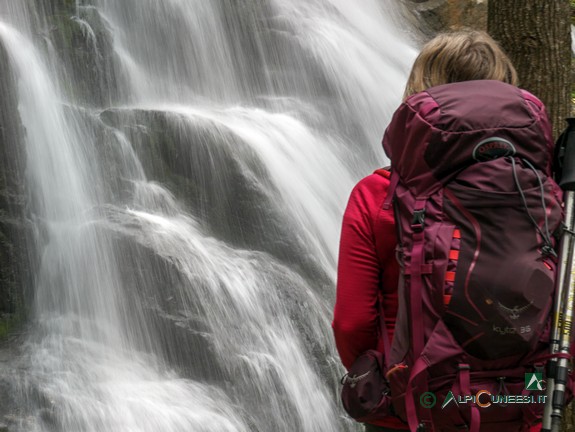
[461, 55]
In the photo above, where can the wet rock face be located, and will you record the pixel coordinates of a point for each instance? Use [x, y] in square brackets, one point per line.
[15, 231]
[86, 51]
[168, 148]
[213, 174]
[82, 48]
[14, 228]
[16, 257]
[433, 16]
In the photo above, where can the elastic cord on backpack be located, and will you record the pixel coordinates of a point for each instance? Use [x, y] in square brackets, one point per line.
[502, 391]
[545, 235]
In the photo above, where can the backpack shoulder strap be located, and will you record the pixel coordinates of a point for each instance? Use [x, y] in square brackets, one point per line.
[384, 340]
[393, 178]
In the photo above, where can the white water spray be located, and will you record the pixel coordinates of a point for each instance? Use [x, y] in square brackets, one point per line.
[188, 233]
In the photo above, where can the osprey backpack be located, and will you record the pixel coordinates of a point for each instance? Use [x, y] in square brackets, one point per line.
[477, 212]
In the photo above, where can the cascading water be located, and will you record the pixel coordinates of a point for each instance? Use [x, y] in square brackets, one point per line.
[186, 189]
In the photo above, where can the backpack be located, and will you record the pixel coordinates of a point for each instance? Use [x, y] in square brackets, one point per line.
[477, 212]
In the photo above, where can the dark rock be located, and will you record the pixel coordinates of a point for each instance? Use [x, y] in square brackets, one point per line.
[434, 16]
[83, 45]
[15, 230]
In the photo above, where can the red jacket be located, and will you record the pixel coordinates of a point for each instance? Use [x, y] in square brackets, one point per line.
[367, 270]
[367, 273]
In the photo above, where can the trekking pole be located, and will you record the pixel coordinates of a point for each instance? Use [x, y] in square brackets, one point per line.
[560, 343]
[565, 256]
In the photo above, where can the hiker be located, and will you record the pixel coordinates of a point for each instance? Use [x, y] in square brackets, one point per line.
[368, 268]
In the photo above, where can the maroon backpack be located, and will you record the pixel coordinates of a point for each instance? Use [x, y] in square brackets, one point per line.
[476, 211]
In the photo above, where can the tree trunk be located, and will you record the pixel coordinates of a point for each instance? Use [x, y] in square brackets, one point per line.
[536, 35]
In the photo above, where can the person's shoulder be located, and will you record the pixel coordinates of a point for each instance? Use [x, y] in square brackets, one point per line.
[371, 190]
[367, 198]
[376, 183]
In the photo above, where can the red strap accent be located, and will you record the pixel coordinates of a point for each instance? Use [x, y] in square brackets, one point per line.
[449, 276]
[394, 369]
[454, 254]
[456, 233]
[446, 299]
[558, 355]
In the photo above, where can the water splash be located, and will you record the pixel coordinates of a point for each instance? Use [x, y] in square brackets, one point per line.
[187, 234]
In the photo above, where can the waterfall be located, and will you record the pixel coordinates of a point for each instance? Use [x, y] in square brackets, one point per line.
[187, 167]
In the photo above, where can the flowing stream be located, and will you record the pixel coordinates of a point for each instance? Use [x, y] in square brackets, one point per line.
[187, 167]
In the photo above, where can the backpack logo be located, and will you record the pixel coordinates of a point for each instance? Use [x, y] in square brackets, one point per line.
[514, 312]
[493, 148]
[503, 331]
[533, 381]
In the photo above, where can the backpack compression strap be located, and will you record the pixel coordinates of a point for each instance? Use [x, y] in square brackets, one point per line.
[415, 289]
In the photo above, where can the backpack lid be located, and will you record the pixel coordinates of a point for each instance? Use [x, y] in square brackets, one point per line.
[437, 133]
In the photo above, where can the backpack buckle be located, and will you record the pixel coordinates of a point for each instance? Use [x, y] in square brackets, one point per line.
[418, 221]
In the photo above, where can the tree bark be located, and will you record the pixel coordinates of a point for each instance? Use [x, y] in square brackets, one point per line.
[536, 36]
